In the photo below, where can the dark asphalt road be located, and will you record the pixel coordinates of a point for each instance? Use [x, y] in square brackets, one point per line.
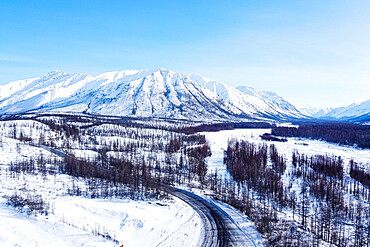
[220, 229]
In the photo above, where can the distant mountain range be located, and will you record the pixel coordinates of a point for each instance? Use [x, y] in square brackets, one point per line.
[154, 93]
[354, 112]
[315, 112]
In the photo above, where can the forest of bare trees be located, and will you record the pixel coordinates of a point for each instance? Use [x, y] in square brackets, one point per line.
[322, 207]
[302, 203]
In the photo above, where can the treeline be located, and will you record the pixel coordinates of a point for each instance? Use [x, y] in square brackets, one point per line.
[259, 192]
[222, 126]
[31, 203]
[346, 134]
[69, 130]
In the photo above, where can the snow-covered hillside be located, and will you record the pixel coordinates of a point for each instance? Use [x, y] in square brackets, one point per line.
[315, 111]
[144, 93]
[353, 110]
[251, 101]
[29, 94]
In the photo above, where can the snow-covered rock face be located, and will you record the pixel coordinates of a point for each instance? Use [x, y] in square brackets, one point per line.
[147, 93]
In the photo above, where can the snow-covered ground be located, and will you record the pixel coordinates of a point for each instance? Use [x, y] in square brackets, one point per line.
[127, 222]
[81, 221]
[133, 223]
[218, 142]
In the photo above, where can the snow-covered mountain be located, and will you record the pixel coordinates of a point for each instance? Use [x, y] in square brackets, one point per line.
[351, 111]
[356, 112]
[250, 100]
[146, 93]
[25, 95]
[315, 112]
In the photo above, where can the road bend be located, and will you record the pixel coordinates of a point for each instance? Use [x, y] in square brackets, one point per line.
[220, 229]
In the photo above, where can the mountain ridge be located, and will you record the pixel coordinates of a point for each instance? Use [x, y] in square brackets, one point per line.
[355, 112]
[155, 92]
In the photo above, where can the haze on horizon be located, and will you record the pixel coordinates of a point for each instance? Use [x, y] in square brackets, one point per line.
[312, 53]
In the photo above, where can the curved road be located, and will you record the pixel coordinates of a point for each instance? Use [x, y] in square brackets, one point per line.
[220, 229]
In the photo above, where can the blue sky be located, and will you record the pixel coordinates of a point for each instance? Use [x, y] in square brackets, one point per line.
[313, 53]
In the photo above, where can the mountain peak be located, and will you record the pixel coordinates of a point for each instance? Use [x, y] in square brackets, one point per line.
[157, 92]
[199, 78]
[163, 71]
[55, 72]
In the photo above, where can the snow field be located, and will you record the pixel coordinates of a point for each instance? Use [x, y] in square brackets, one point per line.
[133, 223]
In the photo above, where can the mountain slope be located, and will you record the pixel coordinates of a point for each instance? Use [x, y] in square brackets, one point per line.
[29, 94]
[353, 110]
[315, 112]
[144, 93]
[251, 101]
[147, 93]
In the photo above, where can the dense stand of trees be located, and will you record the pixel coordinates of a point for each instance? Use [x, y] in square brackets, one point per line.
[324, 164]
[360, 175]
[247, 163]
[333, 213]
[341, 133]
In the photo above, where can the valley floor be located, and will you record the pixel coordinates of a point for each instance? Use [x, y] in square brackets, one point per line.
[82, 221]
[85, 221]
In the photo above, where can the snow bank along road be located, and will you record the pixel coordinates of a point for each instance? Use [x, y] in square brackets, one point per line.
[220, 228]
